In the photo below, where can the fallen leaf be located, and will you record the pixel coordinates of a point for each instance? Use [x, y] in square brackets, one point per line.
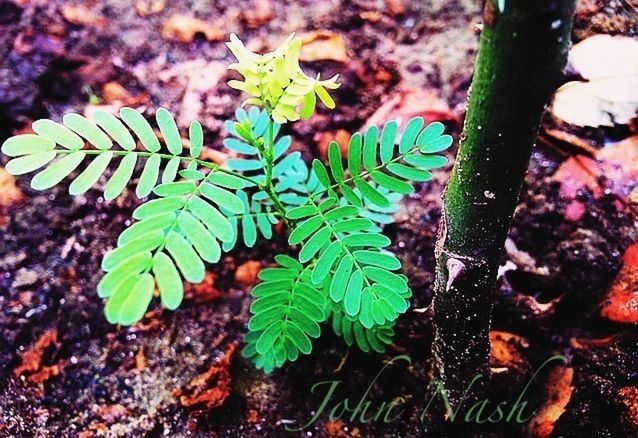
[577, 173]
[335, 429]
[114, 93]
[569, 143]
[81, 15]
[9, 191]
[253, 416]
[505, 351]
[620, 164]
[246, 273]
[323, 139]
[323, 45]
[259, 14]
[581, 344]
[371, 16]
[410, 103]
[395, 7]
[609, 96]
[183, 28]
[621, 302]
[203, 292]
[209, 389]
[197, 77]
[629, 399]
[148, 7]
[31, 365]
[140, 359]
[559, 391]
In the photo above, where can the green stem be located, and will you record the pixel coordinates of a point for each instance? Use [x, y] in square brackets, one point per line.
[521, 53]
[269, 157]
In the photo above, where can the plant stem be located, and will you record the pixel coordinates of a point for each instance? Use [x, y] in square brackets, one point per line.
[269, 156]
[521, 53]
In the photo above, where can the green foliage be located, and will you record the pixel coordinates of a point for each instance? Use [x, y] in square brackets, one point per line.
[286, 313]
[102, 132]
[334, 212]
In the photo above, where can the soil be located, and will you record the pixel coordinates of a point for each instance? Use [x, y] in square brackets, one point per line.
[66, 372]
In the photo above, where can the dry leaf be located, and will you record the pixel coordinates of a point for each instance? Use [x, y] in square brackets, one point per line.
[323, 139]
[619, 162]
[395, 7]
[183, 28]
[31, 364]
[323, 45]
[246, 273]
[203, 292]
[148, 7]
[576, 173]
[9, 191]
[412, 103]
[610, 94]
[81, 15]
[259, 14]
[198, 77]
[505, 351]
[559, 391]
[621, 303]
[209, 389]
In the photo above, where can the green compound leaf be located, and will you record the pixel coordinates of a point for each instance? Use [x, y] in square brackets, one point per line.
[285, 315]
[174, 236]
[108, 138]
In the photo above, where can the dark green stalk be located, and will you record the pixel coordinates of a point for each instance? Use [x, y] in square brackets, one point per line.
[521, 53]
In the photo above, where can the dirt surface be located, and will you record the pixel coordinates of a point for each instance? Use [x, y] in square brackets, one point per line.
[66, 372]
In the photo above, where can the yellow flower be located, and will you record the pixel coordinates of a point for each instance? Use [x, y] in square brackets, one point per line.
[275, 81]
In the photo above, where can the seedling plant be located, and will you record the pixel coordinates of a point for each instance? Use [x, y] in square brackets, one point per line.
[194, 210]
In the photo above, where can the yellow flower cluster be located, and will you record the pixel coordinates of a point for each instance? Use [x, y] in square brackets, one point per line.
[276, 82]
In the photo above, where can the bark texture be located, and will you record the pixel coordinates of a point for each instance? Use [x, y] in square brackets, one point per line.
[522, 50]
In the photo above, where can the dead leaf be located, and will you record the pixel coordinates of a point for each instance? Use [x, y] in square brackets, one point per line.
[323, 45]
[620, 164]
[371, 16]
[559, 391]
[577, 173]
[209, 389]
[31, 365]
[581, 343]
[505, 351]
[323, 139]
[198, 77]
[81, 15]
[246, 273]
[148, 7]
[183, 28]
[140, 359]
[412, 103]
[569, 143]
[114, 93]
[203, 292]
[621, 302]
[609, 64]
[395, 7]
[629, 399]
[9, 191]
[259, 14]
[253, 416]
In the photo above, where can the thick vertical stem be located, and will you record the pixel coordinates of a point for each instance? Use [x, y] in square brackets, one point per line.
[522, 51]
